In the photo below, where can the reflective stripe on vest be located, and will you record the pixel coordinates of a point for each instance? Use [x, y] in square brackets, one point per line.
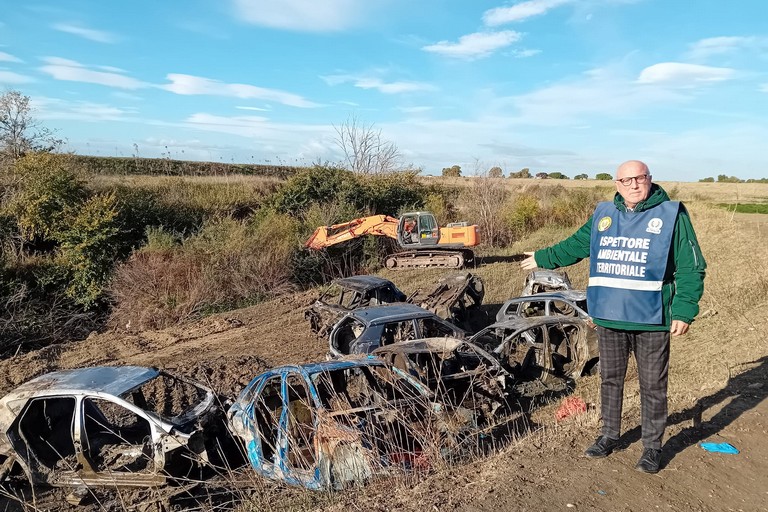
[628, 260]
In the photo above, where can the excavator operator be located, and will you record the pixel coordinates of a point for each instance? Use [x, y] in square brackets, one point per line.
[410, 231]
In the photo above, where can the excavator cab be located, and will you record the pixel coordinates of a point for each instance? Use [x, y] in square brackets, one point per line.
[418, 229]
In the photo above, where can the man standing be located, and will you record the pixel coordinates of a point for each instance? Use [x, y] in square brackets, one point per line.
[646, 278]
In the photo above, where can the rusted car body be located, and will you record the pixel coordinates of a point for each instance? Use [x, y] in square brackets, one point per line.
[563, 303]
[542, 280]
[338, 423]
[456, 371]
[115, 426]
[366, 329]
[344, 295]
[453, 298]
[548, 346]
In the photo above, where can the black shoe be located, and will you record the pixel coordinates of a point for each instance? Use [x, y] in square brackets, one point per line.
[650, 461]
[603, 447]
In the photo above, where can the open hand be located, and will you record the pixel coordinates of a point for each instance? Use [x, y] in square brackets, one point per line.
[528, 263]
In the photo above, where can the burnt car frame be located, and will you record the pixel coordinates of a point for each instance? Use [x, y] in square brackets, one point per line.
[114, 426]
[366, 329]
[338, 423]
[344, 295]
[543, 280]
[457, 371]
[455, 297]
[550, 346]
[564, 303]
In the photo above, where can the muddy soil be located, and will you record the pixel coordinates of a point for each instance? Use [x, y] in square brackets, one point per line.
[542, 470]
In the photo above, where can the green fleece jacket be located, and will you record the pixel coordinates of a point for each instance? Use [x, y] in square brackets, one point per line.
[684, 276]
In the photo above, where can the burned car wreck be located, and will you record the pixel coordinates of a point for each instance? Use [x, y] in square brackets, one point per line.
[457, 372]
[344, 295]
[563, 303]
[117, 426]
[453, 298]
[547, 347]
[542, 280]
[364, 330]
[338, 423]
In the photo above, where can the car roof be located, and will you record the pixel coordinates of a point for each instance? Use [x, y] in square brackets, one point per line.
[573, 295]
[323, 366]
[519, 322]
[445, 344]
[391, 313]
[363, 283]
[112, 380]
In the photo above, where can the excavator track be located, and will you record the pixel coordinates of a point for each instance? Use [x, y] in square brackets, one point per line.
[430, 259]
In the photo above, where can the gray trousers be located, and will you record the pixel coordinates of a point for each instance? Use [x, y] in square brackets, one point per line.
[651, 349]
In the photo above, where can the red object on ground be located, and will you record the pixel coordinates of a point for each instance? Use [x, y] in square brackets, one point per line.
[570, 406]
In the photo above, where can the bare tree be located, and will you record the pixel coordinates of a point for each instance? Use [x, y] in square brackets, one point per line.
[364, 150]
[487, 196]
[20, 132]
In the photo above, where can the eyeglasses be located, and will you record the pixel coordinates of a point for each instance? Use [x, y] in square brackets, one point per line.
[639, 179]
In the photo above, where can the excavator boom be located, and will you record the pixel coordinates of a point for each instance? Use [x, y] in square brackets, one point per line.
[325, 236]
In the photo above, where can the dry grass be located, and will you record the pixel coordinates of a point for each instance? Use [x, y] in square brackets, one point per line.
[680, 190]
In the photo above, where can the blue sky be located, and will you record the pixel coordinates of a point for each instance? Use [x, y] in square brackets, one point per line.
[554, 85]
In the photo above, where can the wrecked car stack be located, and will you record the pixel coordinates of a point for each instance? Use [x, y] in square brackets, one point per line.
[407, 390]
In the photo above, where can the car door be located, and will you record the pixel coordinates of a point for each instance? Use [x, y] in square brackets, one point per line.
[43, 437]
[120, 443]
[298, 457]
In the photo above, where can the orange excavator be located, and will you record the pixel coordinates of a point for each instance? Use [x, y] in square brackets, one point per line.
[424, 243]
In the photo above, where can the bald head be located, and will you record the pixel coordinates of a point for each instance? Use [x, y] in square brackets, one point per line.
[631, 168]
[633, 182]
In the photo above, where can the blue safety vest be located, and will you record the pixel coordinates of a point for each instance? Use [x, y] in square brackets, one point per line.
[628, 260]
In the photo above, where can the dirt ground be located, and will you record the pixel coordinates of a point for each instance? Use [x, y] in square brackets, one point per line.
[544, 470]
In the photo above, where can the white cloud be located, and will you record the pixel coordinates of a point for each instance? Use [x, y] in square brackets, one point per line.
[54, 108]
[69, 70]
[680, 73]
[364, 82]
[520, 12]
[258, 109]
[764, 87]
[7, 57]
[98, 36]
[524, 54]
[474, 46]
[302, 15]
[196, 85]
[713, 46]
[11, 78]
[605, 92]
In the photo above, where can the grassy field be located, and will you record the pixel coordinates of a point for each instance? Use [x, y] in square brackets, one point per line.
[678, 190]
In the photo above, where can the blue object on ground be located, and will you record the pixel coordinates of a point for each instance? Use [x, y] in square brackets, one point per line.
[601, 492]
[719, 448]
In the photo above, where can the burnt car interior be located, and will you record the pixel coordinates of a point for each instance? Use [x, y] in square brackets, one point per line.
[455, 376]
[43, 433]
[381, 408]
[116, 439]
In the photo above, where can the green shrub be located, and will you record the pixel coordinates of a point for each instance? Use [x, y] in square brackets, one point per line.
[88, 247]
[574, 207]
[45, 186]
[522, 215]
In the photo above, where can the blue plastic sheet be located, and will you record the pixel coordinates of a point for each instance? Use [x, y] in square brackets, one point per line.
[720, 448]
